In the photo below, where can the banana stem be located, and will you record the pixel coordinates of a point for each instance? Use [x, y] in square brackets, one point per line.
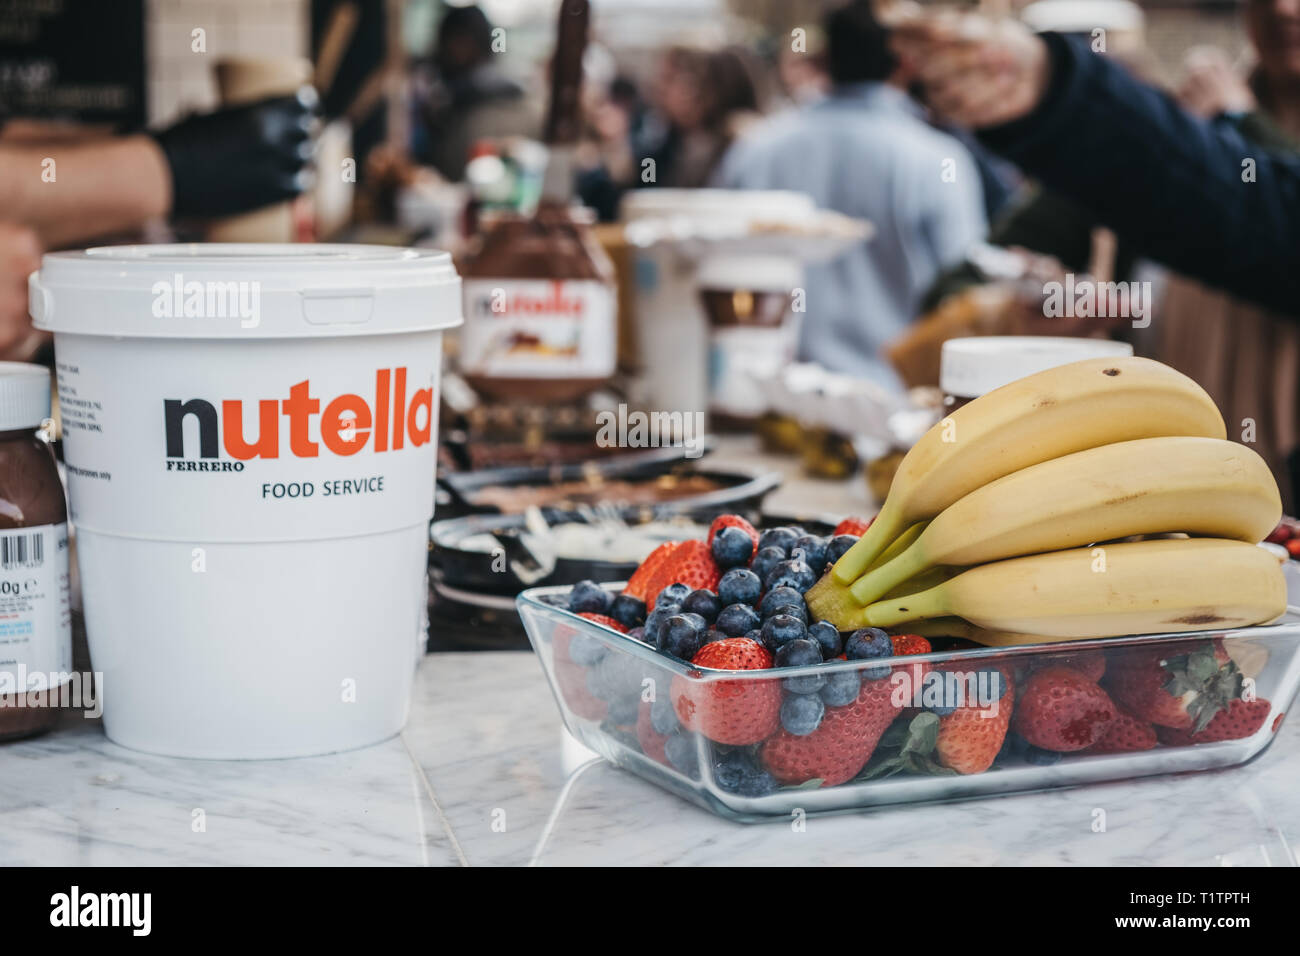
[887, 526]
[879, 581]
[912, 607]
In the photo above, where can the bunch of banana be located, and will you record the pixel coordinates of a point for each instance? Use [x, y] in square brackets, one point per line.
[1013, 485]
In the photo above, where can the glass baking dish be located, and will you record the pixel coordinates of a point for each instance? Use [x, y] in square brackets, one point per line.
[617, 728]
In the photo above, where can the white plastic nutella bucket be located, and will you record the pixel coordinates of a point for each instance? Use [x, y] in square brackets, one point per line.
[250, 435]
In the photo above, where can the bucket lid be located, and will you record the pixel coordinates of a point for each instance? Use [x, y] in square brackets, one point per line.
[245, 290]
[24, 395]
[971, 367]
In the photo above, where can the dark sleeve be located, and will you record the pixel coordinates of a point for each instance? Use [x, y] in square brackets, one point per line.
[1260, 128]
[1164, 180]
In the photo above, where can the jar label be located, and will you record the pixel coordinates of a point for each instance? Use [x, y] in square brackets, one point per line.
[35, 613]
[527, 328]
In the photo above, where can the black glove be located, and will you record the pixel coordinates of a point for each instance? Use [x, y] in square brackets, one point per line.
[242, 157]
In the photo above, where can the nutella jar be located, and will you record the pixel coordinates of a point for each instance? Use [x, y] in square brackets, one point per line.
[35, 615]
[540, 308]
[970, 367]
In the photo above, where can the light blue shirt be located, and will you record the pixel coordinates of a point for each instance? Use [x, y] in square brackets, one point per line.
[864, 151]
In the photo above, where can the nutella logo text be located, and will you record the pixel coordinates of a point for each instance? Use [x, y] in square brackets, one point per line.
[347, 423]
[555, 302]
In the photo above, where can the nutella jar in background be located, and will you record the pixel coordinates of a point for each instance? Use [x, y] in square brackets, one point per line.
[540, 308]
[35, 615]
[969, 367]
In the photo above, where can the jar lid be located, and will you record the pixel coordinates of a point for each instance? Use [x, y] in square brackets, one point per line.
[970, 367]
[24, 395]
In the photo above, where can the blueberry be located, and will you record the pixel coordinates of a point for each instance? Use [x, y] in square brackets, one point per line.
[841, 688]
[638, 634]
[948, 693]
[799, 610]
[673, 594]
[732, 548]
[662, 716]
[755, 635]
[800, 653]
[585, 650]
[655, 620]
[801, 714]
[814, 551]
[868, 643]
[588, 597]
[736, 620]
[627, 610]
[781, 629]
[837, 545]
[615, 676]
[765, 561]
[1040, 757]
[781, 538]
[991, 685]
[704, 603]
[737, 772]
[682, 635]
[739, 586]
[825, 634]
[779, 597]
[794, 573]
[711, 635]
[1013, 745]
[681, 753]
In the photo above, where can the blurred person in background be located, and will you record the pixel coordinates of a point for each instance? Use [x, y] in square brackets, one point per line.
[866, 151]
[705, 100]
[467, 96]
[66, 189]
[1247, 357]
[1192, 192]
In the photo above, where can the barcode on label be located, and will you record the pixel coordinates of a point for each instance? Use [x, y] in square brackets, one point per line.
[22, 551]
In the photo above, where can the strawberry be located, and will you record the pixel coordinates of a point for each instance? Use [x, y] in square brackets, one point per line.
[1180, 685]
[841, 746]
[572, 682]
[1241, 718]
[854, 526]
[691, 563]
[971, 736]
[1091, 663]
[604, 620]
[966, 739]
[637, 585]
[732, 521]
[732, 712]
[1126, 734]
[651, 741]
[909, 644]
[1293, 548]
[1061, 710]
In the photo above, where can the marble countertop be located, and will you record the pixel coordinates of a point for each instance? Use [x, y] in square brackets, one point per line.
[484, 774]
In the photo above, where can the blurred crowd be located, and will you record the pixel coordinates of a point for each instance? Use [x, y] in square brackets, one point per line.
[988, 153]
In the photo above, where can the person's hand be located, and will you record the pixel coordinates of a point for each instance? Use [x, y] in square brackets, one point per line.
[20, 256]
[242, 157]
[974, 71]
[1212, 86]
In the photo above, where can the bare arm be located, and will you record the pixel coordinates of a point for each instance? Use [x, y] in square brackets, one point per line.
[89, 189]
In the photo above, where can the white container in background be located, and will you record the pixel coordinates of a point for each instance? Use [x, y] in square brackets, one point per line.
[250, 435]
